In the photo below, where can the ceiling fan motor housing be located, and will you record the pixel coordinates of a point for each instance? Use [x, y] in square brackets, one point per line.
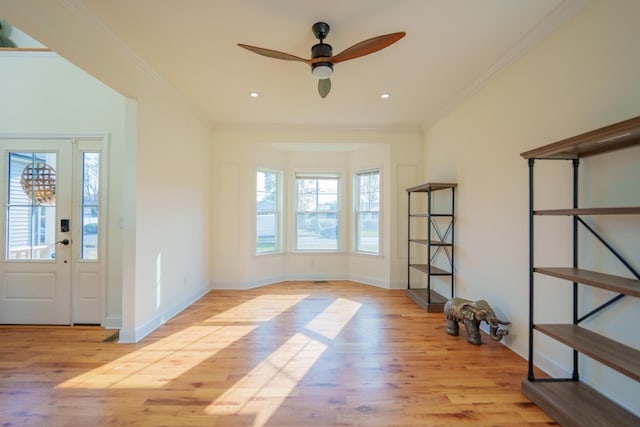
[324, 69]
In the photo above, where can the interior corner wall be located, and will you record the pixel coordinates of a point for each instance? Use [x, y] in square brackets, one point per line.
[581, 77]
[238, 153]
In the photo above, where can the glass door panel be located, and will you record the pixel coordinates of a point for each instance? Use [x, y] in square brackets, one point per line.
[31, 206]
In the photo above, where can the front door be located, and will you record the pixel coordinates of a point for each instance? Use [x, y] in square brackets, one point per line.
[51, 269]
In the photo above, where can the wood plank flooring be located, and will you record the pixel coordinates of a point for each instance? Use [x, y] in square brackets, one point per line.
[292, 354]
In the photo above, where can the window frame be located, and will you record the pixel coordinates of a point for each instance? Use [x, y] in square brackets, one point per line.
[278, 234]
[305, 174]
[357, 212]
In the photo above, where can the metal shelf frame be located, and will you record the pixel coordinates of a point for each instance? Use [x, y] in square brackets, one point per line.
[440, 237]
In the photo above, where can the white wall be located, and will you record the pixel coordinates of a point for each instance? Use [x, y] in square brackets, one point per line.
[584, 76]
[44, 94]
[238, 153]
[170, 220]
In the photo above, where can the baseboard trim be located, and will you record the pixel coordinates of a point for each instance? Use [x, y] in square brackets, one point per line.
[371, 281]
[113, 322]
[133, 335]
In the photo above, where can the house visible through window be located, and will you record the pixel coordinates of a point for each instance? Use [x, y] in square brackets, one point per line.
[267, 212]
[317, 224]
[367, 211]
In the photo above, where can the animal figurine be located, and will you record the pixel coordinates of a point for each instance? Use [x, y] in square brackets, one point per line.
[472, 314]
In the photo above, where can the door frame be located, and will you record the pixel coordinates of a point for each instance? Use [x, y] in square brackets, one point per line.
[103, 141]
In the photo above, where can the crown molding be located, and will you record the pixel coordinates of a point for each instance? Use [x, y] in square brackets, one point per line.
[564, 11]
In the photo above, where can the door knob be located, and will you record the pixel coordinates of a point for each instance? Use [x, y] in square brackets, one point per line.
[64, 242]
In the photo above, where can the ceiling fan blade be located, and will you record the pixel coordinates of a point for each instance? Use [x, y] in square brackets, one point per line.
[274, 53]
[324, 86]
[367, 46]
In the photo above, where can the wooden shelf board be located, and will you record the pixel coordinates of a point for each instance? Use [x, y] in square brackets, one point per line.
[419, 296]
[611, 353]
[435, 271]
[599, 280]
[590, 211]
[574, 404]
[609, 138]
[431, 186]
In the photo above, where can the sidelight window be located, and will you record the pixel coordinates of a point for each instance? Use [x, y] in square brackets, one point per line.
[90, 205]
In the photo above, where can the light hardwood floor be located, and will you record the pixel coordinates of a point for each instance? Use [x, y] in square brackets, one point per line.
[292, 354]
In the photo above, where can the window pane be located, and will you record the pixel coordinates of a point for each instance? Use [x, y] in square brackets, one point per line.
[266, 226]
[267, 212]
[31, 210]
[317, 231]
[317, 216]
[266, 188]
[307, 202]
[369, 192]
[328, 186]
[367, 212]
[369, 232]
[90, 234]
[90, 205]
[327, 202]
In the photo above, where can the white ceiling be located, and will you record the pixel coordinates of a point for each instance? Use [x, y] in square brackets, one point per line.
[451, 48]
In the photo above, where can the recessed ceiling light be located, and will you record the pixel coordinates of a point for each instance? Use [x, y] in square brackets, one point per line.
[254, 94]
[385, 96]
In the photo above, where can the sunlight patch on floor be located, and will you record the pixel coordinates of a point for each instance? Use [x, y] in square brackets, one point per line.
[261, 392]
[260, 309]
[163, 361]
[331, 321]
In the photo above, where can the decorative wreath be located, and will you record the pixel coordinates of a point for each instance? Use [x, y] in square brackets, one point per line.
[39, 183]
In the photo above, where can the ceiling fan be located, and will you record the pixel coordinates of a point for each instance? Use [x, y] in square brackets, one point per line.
[322, 58]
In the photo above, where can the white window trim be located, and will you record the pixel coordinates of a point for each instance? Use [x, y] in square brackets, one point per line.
[279, 212]
[354, 213]
[316, 173]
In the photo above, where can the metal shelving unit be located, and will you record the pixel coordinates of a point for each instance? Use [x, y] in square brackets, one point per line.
[568, 400]
[439, 240]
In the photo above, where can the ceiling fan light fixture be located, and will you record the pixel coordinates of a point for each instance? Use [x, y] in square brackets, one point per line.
[322, 70]
[322, 57]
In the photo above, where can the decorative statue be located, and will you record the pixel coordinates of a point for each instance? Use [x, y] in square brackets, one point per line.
[472, 313]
